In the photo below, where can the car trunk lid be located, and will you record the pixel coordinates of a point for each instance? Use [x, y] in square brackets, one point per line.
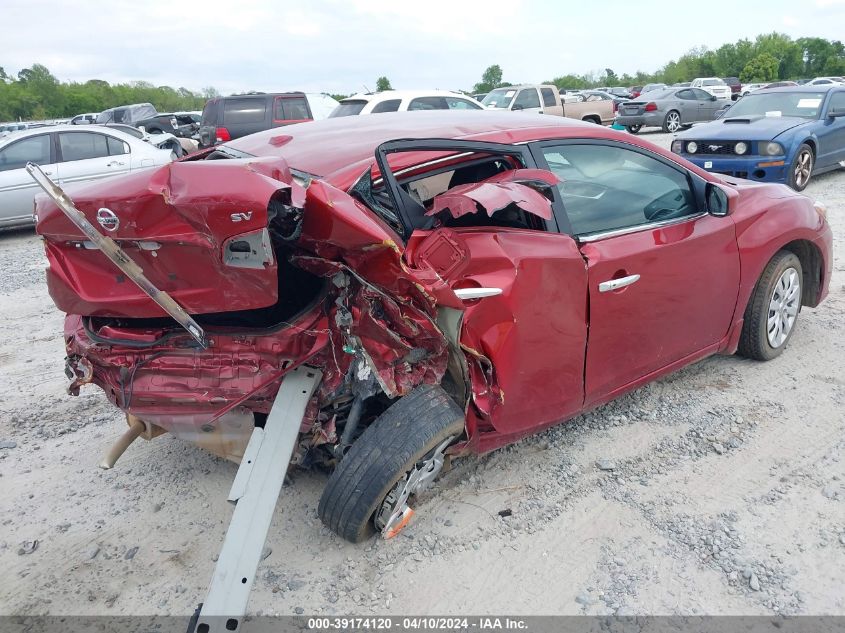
[198, 230]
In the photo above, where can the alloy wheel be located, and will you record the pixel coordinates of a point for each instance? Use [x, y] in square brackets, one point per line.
[803, 168]
[783, 307]
[673, 121]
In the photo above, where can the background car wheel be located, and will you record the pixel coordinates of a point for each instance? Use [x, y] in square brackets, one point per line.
[672, 122]
[773, 309]
[400, 439]
[802, 168]
[633, 129]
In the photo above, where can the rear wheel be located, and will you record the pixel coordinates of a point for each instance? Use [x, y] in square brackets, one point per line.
[672, 122]
[773, 309]
[801, 169]
[397, 456]
[634, 129]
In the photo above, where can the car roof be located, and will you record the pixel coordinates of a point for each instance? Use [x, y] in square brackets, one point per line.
[802, 88]
[313, 147]
[402, 94]
[67, 128]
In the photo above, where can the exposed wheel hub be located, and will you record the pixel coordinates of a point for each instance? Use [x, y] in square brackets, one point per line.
[395, 513]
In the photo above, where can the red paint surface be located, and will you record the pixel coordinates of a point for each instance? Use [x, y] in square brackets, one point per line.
[547, 348]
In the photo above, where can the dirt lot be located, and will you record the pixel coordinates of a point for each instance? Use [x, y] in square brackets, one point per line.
[718, 490]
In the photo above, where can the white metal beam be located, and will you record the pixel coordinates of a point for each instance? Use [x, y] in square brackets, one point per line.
[255, 491]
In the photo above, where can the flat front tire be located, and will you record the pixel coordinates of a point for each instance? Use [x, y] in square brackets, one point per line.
[401, 438]
[772, 312]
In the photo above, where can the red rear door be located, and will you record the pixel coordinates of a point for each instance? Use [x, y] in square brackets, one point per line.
[197, 229]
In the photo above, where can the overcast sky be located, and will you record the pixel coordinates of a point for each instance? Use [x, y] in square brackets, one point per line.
[342, 46]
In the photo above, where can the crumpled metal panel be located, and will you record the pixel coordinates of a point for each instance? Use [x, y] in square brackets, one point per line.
[173, 221]
[515, 186]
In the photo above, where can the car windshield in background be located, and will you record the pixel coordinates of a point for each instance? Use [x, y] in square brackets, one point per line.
[799, 104]
[500, 98]
[348, 108]
[712, 82]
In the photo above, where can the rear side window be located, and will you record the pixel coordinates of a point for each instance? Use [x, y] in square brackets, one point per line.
[290, 109]
[428, 103]
[237, 111]
[209, 113]
[82, 145]
[391, 105]
[348, 108]
[116, 146]
[35, 149]
[454, 103]
[548, 96]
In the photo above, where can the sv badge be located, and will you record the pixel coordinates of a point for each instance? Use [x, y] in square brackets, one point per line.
[241, 217]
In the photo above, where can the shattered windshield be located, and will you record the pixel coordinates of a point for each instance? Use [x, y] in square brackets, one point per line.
[773, 104]
[499, 98]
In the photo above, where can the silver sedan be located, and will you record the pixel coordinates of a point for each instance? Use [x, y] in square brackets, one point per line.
[68, 154]
[669, 109]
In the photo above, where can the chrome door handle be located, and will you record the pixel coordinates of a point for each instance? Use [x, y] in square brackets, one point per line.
[476, 293]
[615, 284]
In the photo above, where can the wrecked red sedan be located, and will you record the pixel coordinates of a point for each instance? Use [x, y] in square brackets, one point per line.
[458, 279]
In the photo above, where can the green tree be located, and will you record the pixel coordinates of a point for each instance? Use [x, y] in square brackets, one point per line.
[764, 67]
[491, 78]
[382, 84]
[788, 53]
[610, 77]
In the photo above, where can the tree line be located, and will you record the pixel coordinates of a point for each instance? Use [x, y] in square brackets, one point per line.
[770, 57]
[36, 94]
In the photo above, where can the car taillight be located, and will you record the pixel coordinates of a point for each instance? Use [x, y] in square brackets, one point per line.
[222, 135]
[650, 106]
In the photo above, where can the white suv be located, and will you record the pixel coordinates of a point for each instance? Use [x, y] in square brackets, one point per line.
[713, 85]
[402, 100]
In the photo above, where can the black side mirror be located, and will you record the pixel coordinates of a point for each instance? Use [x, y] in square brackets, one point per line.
[518, 106]
[717, 200]
[712, 97]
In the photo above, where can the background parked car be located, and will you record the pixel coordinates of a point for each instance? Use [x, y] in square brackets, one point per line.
[403, 100]
[635, 91]
[776, 135]
[84, 119]
[781, 84]
[128, 114]
[713, 85]
[749, 88]
[67, 154]
[226, 118]
[735, 85]
[177, 124]
[592, 106]
[669, 109]
[827, 81]
[180, 146]
[650, 87]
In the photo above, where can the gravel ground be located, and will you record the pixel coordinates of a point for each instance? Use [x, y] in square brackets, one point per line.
[717, 490]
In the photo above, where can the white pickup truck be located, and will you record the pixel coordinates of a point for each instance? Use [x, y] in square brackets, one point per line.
[545, 99]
